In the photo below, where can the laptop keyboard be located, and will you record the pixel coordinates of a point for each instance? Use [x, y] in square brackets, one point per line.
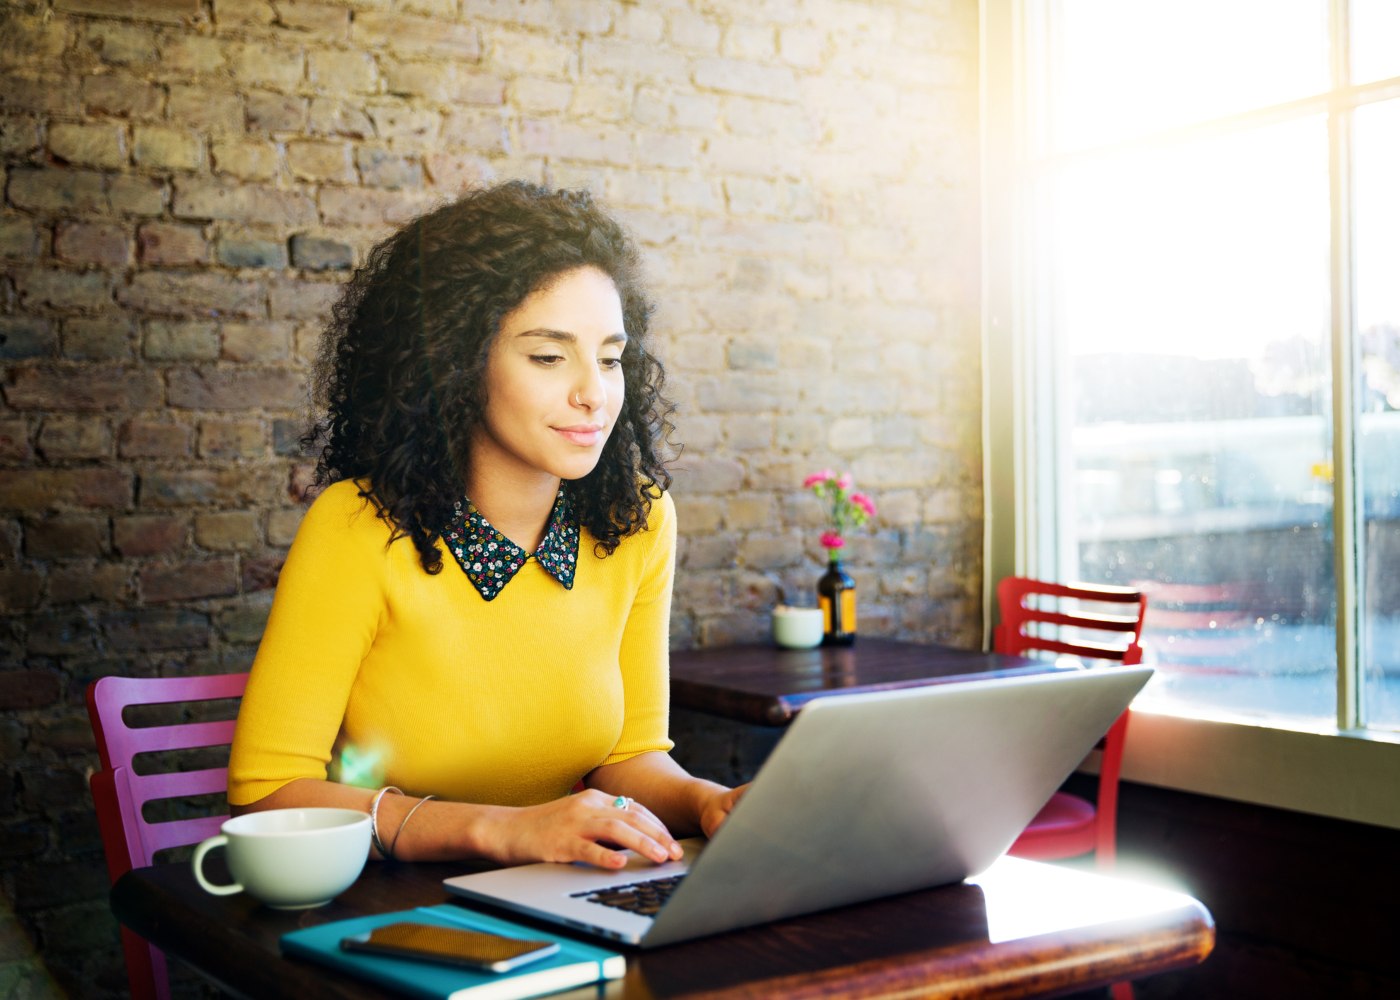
[644, 898]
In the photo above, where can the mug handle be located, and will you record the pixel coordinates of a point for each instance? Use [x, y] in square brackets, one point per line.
[198, 862]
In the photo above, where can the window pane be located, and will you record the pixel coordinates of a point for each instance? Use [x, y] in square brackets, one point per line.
[1375, 40]
[1377, 192]
[1127, 68]
[1192, 306]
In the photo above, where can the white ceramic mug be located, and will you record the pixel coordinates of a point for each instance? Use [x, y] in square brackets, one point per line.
[290, 859]
[797, 628]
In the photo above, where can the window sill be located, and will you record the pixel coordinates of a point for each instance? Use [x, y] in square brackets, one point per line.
[1343, 775]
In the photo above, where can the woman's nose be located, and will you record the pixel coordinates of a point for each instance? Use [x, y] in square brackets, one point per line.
[590, 393]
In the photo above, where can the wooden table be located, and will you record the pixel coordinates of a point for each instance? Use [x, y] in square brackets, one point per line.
[763, 684]
[1021, 929]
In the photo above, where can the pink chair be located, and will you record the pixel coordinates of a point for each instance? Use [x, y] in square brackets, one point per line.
[121, 792]
[1090, 622]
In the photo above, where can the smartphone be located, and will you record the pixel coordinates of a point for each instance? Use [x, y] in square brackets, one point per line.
[451, 945]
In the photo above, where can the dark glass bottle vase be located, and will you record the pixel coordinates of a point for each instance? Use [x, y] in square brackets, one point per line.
[836, 593]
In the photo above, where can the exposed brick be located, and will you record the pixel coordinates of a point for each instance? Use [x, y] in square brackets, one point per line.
[207, 112]
[396, 32]
[171, 340]
[60, 289]
[14, 442]
[242, 250]
[20, 238]
[196, 198]
[219, 439]
[66, 537]
[121, 95]
[169, 294]
[49, 489]
[75, 437]
[261, 573]
[189, 581]
[164, 148]
[161, 11]
[342, 72]
[321, 20]
[340, 118]
[279, 67]
[47, 94]
[227, 531]
[166, 244]
[149, 534]
[133, 194]
[27, 337]
[301, 300]
[88, 581]
[98, 338]
[153, 439]
[20, 589]
[103, 244]
[245, 160]
[368, 207]
[20, 137]
[269, 112]
[404, 126]
[235, 388]
[316, 253]
[320, 161]
[256, 342]
[121, 44]
[24, 689]
[452, 172]
[244, 624]
[102, 146]
[165, 488]
[107, 387]
[156, 629]
[381, 168]
[282, 525]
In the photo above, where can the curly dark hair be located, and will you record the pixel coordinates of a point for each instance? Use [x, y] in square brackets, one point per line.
[404, 357]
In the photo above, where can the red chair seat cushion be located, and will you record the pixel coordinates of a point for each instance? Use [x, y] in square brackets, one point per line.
[1063, 828]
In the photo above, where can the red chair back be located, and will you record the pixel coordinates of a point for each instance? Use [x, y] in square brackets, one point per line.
[121, 791]
[1088, 621]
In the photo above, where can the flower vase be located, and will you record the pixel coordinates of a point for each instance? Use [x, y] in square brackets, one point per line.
[836, 594]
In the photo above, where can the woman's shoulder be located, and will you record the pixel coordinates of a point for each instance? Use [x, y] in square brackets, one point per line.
[344, 507]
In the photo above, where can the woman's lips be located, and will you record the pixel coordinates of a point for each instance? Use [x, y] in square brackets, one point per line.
[584, 435]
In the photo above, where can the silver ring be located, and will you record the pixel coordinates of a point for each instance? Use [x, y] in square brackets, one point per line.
[622, 802]
[578, 401]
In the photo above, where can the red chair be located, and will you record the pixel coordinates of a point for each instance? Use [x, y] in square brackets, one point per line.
[1087, 621]
[121, 793]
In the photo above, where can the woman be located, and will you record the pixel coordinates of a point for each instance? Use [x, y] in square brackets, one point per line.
[473, 617]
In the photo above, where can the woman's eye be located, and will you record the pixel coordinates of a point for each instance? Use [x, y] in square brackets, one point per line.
[547, 359]
[610, 364]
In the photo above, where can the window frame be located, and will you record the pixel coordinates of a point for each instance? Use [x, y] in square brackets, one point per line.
[1342, 770]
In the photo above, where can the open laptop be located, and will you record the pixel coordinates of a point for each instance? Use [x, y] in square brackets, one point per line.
[865, 795]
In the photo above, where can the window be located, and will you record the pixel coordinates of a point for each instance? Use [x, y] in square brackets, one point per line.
[1194, 313]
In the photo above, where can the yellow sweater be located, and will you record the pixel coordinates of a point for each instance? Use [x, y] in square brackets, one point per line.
[373, 672]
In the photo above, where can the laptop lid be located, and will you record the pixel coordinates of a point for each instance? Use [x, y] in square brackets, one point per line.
[865, 795]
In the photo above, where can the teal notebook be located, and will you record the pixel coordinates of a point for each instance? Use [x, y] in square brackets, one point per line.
[575, 964]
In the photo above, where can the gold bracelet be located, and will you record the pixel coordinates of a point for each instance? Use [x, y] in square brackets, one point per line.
[404, 822]
[374, 820]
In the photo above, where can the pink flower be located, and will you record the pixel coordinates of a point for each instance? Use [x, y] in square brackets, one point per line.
[817, 477]
[845, 482]
[864, 503]
[831, 540]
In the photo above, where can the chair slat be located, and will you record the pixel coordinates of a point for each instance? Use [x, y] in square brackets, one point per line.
[180, 736]
[181, 832]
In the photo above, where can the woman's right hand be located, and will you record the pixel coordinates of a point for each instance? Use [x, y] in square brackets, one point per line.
[586, 826]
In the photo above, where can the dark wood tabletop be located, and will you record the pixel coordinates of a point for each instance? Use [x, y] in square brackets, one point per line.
[1021, 929]
[764, 684]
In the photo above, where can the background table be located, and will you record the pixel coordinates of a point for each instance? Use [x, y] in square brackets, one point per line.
[764, 684]
[1021, 929]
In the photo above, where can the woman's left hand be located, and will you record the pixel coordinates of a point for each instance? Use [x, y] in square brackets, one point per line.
[717, 807]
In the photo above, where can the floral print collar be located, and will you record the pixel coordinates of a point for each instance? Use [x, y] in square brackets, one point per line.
[491, 560]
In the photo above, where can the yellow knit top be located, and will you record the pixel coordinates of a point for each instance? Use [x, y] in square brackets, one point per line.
[373, 672]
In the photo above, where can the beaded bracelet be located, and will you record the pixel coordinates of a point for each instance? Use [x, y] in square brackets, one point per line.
[374, 820]
[404, 822]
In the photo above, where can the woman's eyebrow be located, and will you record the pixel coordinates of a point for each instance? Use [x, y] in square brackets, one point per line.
[564, 336]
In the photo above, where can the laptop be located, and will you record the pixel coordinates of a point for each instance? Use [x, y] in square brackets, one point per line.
[865, 795]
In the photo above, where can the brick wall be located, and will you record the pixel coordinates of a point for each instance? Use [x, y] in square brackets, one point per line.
[186, 183]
